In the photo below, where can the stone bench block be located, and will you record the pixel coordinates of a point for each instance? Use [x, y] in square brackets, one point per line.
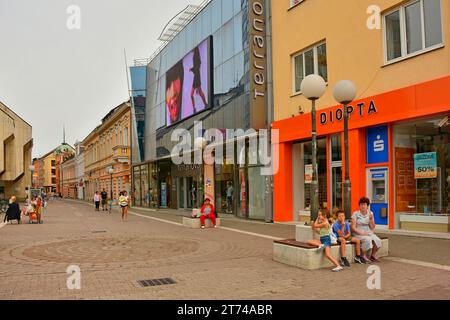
[310, 259]
[196, 223]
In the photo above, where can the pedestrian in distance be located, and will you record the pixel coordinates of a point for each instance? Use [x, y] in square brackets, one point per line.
[104, 196]
[124, 203]
[13, 212]
[323, 225]
[207, 212]
[341, 229]
[97, 201]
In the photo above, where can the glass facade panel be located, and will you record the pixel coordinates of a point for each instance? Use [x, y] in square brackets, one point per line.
[144, 186]
[228, 41]
[137, 186]
[227, 10]
[257, 194]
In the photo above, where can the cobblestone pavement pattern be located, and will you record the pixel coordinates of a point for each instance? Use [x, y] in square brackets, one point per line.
[206, 264]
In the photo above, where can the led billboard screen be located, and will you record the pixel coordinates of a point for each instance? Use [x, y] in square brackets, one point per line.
[188, 84]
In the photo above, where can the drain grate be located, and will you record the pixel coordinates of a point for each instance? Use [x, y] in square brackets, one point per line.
[99, 231]
[156, 282]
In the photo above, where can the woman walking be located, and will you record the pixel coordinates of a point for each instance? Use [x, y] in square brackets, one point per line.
[97, 201]
[13, 212]
[124, 203]
[197, 84]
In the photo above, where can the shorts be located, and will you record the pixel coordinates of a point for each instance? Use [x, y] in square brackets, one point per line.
[348, 240]
[326, 241]
[104, 202]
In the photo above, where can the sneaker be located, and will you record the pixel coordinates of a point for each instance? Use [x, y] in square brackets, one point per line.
[215, 227]
[345, 262]
[337, 269]
[203, 227]
[359, 260]
[366, 260]
[374, 259]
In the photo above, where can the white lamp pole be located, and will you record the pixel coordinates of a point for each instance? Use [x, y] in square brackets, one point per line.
[313, 87]
[200, 144]
[31, 182]
[344, 93]
[111, 171]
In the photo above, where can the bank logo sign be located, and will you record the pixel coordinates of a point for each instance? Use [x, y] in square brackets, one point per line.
[377, 145]
[425, 165]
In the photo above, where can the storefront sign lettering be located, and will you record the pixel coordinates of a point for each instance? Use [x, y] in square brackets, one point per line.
[338, 115]
[258, 48]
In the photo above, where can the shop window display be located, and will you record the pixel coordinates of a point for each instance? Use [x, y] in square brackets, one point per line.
[422, 167]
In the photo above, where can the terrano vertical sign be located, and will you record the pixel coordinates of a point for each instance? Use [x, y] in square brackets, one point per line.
[258, 63]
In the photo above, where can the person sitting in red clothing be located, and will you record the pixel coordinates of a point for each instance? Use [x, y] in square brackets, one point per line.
[207, 212]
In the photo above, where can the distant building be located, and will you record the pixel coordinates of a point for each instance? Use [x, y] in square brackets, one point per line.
[45, 172]
[108, 147]
[16, 145]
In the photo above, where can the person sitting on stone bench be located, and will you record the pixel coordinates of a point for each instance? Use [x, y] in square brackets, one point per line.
[207, 212]
[363, 226]
[324, 227]
[341, 230]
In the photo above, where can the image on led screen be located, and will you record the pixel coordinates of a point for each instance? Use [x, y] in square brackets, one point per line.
[188, 85]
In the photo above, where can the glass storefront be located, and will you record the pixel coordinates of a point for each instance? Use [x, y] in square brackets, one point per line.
[336, 173]
[137, 196]
[422, 173]
[256, 194]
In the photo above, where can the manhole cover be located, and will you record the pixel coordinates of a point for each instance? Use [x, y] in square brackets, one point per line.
[156, 282]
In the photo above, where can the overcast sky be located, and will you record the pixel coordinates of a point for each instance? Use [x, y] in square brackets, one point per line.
[50, 75]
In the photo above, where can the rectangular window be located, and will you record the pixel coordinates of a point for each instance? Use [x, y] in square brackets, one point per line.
[310, 61]
[413, 28]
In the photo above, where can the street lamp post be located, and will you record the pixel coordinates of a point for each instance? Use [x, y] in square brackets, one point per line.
[313, 87]
[344, 93]
[200, 145]
[111, 171]
[31, 182]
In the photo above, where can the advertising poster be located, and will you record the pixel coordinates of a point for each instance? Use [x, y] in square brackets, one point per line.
[425, 165]
[308, 173]
[188, 87]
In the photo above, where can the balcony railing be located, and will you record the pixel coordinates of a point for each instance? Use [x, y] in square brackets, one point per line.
[121, 154]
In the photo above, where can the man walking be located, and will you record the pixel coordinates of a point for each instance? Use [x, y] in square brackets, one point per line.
[104, 196]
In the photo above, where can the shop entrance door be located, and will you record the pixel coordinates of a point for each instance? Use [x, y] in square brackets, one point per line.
[378, 192]
[187, 192]
[336, 186]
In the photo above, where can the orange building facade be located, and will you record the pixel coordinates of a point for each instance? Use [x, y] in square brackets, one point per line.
[399, 129]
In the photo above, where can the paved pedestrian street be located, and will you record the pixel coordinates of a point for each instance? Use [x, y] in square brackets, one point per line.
[224, 263]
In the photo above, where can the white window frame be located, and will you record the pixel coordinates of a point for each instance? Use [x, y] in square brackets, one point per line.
[316, 64]
[404, 44]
